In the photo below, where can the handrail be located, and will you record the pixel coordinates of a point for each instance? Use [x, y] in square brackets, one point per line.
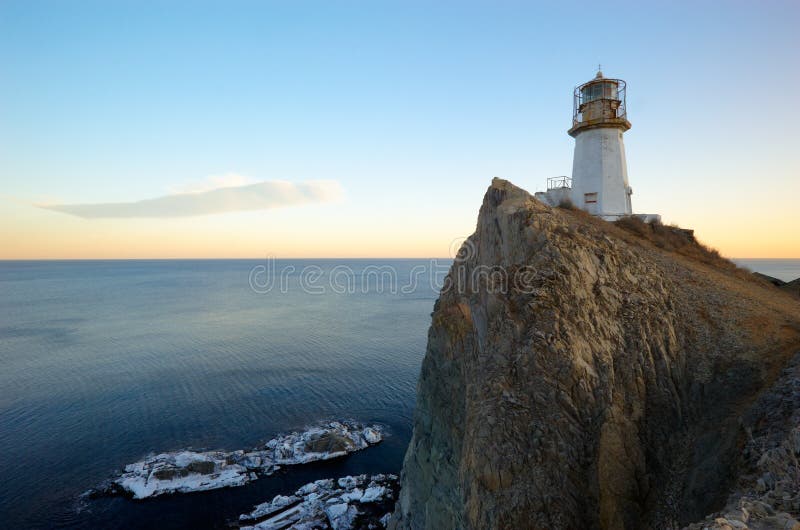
[621, 110]
[560, 182]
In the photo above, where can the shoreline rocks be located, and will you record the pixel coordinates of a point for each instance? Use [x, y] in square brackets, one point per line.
[349, 503]
[189, 471]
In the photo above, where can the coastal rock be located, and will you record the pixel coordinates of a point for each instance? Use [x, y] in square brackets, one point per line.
[771, 279]
[188, 471]
[349, 503]
[766, 493]
[183, 472]
[792, 287]
[581, 375]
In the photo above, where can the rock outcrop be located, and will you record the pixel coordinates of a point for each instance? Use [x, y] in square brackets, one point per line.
[349, 503]
[190, 471]
[578, 376]
[792, 287]
[766, 492]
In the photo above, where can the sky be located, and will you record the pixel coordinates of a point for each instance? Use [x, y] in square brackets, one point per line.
[372, 129]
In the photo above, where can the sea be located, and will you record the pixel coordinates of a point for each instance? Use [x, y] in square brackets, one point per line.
[105, 362]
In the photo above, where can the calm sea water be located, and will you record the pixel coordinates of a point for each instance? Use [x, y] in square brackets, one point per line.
[104, 362]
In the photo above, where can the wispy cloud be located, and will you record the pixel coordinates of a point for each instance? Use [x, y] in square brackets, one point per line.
[210, 198]
[213, 182]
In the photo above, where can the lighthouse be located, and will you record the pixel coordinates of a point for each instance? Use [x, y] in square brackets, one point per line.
[599, 182]
[599, 170]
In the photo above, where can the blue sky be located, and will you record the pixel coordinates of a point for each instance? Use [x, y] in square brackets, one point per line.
[411, 107]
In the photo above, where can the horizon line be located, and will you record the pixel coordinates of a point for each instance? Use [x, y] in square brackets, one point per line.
[296, 258]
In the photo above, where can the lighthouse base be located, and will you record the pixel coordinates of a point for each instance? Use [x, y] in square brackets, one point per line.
[600, 173]
[556, 197]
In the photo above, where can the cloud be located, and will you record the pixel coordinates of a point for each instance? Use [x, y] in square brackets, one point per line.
[228, 180]
[228, 198]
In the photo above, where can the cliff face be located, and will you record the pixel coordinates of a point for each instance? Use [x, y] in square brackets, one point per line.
[577, 376]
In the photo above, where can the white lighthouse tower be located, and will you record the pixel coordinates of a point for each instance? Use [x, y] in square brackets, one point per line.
[599, 170]
[599, 182]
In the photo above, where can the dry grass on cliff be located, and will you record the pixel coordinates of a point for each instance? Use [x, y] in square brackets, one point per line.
[689, 262]
[681, 241]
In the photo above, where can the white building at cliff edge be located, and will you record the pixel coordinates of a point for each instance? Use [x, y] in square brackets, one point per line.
[599, 182]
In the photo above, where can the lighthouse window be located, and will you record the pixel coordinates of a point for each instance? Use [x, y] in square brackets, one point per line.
[592, 92]
[607, 90]
[590, 198]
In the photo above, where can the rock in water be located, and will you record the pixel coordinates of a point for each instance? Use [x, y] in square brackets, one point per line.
[350, 503]
[579, 376]
[188, 471]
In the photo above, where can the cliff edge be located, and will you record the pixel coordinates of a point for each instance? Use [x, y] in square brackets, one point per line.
[579, 376]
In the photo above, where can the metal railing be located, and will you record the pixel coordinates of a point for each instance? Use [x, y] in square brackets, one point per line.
[579, 100]
[554, 183]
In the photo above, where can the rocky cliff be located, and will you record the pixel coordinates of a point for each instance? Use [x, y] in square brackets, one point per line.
[579, 376]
